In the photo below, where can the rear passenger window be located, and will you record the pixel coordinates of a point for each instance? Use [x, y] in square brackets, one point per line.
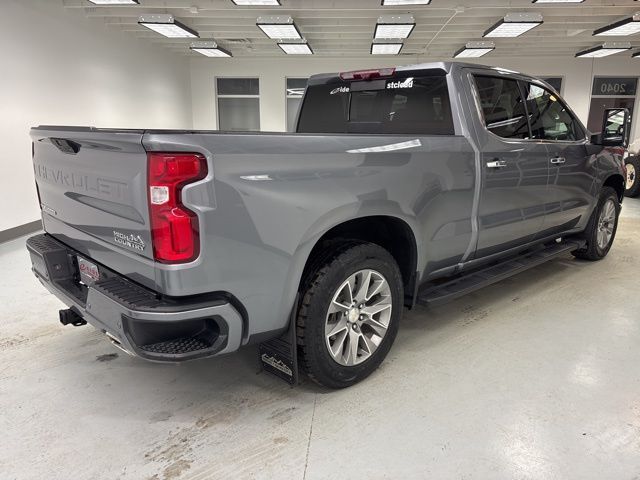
[550, 119]
[503, 107]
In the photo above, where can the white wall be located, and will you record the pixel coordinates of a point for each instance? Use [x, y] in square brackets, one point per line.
[577, 73]
[58, 67]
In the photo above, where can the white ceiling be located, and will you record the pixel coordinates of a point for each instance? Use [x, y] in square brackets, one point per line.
[345, 27]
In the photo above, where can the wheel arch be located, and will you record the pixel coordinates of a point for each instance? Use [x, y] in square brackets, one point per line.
[392, 233]
[617, 182]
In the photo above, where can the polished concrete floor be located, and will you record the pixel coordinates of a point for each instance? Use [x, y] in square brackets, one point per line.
[537, 377]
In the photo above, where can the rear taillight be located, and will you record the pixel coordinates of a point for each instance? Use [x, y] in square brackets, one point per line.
[367, 74]
[174, 228]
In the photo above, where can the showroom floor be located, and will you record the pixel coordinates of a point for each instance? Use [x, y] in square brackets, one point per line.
[536, 377]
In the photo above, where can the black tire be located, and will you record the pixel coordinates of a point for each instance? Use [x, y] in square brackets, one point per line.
[346, 259]
[632, 180]
[592, 251]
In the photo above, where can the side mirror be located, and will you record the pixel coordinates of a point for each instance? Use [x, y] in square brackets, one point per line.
[615, 128]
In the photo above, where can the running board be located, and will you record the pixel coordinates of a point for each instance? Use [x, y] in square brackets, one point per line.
[459, 286]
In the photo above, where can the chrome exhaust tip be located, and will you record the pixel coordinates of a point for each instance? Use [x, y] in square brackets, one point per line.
[116, 343]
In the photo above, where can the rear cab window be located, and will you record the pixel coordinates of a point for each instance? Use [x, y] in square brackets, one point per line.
[402, 104]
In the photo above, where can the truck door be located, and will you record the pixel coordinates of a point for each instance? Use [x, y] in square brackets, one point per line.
[571, 174]
[514, 169]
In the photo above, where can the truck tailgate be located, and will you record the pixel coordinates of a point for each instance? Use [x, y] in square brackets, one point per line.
[93, 195]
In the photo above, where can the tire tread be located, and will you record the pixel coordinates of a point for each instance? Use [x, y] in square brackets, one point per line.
[327, 258]
[338, 253]
[634, 191]
[590, 251]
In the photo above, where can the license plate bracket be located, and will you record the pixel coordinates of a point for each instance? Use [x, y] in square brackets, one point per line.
[89, 272]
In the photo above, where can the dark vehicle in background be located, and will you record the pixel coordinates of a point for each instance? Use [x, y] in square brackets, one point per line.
[401, 186]
[632, 166]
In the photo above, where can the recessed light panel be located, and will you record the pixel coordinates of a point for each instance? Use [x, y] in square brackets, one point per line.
[261, 3]
[209, 49]
[599, 53]
[475, 50]
[212, 52]
[167, 25]
[558, 1]
[514, 25]
[115, 2]
[279, 27]
[280, 31]
[296, 48]
[472, 52]
[394, 3]
[386, 48]
[394, 26]
[628, 26]
[604, 50]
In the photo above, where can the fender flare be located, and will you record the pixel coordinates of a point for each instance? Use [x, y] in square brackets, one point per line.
[323, 225]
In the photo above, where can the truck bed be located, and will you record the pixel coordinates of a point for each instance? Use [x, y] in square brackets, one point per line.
[255, 181]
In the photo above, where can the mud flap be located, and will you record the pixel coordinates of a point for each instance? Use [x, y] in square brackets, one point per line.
[279, 356]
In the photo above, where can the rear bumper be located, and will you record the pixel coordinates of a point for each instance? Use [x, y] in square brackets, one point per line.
[136, 319]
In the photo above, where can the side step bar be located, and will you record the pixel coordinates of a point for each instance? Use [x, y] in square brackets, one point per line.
[459, 286]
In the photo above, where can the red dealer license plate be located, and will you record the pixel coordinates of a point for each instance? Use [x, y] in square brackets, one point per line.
[89, 272]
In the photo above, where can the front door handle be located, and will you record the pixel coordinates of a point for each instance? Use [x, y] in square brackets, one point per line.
[497, 164]
[558, 160]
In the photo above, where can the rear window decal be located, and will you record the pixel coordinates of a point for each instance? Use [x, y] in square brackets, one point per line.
[407, 83]
[339, 90]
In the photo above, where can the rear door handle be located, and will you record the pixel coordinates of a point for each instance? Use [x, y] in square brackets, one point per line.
[497, 164]
[558, 160]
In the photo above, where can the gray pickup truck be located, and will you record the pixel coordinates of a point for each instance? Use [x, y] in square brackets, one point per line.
[405, 185]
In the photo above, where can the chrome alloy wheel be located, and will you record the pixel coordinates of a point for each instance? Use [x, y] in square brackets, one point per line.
[606, 223]
[358, 317]
[631, 175]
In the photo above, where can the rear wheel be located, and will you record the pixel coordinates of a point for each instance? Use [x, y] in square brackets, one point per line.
[349, 314]
[632, 187]
[601, 230]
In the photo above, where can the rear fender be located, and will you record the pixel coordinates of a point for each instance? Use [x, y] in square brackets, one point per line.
[320, 228]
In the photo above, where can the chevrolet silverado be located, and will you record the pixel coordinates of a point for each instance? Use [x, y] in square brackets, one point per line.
[404, 185]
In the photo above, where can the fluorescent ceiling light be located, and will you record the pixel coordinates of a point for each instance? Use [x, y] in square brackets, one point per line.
[386, 48]
[604, 50]
[475, 50]
[262, 3]
[628, 26]
[514, 25]
[279, 27]
[636, 55]
[405, 2]
[558, 1]
[296, 48]
[394, 26]
[167, 25]
[472, 52]
[210, 49]
[115, 2]
[212, 52]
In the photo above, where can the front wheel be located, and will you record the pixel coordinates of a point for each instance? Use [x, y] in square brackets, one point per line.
[632, 188]
[349, 314]
[602, 227]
